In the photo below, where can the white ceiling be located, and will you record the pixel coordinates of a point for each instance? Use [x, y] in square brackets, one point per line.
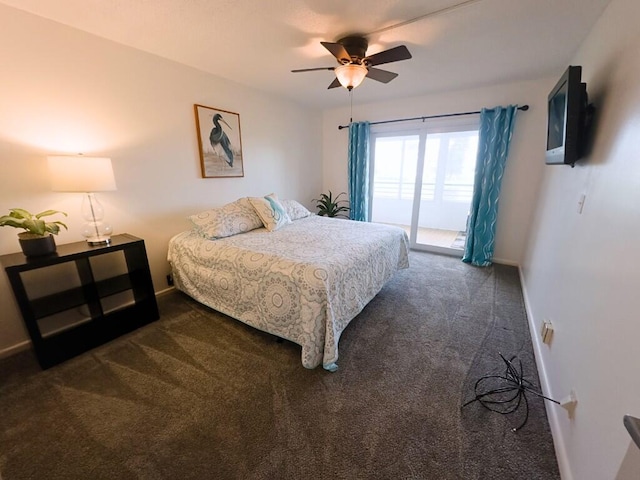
[258, 42]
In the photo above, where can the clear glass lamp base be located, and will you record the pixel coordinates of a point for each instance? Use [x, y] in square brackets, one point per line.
[97, 233]
[99, 240]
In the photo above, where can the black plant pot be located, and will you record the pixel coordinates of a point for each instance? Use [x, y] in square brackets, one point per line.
[36, 245]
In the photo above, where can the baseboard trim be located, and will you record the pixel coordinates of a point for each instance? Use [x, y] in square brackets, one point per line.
[14, 349]
[502, 261]
[165, 291]
[552, 413]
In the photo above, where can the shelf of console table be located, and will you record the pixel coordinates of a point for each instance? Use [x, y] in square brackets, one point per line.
[82, 296]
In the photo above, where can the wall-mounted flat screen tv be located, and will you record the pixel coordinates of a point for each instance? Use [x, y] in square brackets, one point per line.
[567, 122]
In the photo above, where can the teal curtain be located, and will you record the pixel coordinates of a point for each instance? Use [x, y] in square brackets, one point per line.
[359, 171]
[496, 128]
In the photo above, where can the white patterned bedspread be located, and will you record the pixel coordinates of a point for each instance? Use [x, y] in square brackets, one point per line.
[304, 282]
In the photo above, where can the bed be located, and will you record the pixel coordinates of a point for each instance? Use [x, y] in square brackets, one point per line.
[303, 282]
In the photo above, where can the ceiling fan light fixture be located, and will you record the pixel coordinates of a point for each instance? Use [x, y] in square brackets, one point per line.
[350, 75]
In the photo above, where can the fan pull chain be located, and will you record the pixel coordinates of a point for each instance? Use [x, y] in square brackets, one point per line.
[351, 105]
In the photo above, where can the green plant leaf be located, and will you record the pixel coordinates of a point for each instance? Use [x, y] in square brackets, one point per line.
[9, 221]
[46, 213]
[35, 225]
[20, 213]
[54, 227]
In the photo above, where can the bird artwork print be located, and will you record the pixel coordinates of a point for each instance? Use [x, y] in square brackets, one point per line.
[217, 137]
[219, 142]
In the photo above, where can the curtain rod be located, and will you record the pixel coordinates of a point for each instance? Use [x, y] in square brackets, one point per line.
[524, 108]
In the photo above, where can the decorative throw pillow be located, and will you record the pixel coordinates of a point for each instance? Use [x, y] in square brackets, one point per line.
[295, 210]
[230, 219]
[270, 211]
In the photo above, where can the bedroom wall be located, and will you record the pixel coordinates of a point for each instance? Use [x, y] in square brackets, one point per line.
[524, 167]
[64, 91]
[580, 270]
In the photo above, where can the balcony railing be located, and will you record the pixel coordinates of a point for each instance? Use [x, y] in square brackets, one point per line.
[451, 192]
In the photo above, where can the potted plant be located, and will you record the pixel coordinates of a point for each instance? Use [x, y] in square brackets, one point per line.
[37, 238]
[331, 207]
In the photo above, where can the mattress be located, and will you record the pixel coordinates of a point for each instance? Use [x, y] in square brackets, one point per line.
[303, 282]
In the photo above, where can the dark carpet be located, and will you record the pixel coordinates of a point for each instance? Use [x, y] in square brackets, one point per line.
[197, 395]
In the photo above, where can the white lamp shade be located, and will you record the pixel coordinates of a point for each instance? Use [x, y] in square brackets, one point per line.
[350, 75]
[81, 174]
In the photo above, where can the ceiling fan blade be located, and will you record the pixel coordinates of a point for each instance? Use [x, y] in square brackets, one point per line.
[311, 69]
[334, 84]
[381, 75]
[392, 55]
[338, 51]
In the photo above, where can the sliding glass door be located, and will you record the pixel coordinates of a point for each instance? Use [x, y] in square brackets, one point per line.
[422, 180]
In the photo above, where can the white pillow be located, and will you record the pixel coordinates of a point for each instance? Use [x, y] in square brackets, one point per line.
[295, 210]
[230, 219]
[270, 211]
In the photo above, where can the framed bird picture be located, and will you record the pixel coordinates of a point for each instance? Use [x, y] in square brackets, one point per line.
[219, 142]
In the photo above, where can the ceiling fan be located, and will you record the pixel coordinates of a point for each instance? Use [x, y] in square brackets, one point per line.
[354, 65]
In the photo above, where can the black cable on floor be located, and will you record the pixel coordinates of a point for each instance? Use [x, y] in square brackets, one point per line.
[504, 394]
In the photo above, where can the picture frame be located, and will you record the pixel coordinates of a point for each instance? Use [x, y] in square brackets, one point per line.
[219, 142]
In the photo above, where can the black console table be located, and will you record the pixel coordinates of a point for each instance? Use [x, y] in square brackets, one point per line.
[82, 296]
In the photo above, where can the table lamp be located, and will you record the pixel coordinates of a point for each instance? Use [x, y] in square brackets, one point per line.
[86, 175]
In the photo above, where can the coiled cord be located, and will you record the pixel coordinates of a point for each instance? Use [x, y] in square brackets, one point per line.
[504, 394]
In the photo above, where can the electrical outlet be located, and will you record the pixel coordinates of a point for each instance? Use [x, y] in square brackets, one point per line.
[547, 332]
[170, 280]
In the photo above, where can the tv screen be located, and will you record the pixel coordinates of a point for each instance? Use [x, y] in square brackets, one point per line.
[557, 116]
[566, 118]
